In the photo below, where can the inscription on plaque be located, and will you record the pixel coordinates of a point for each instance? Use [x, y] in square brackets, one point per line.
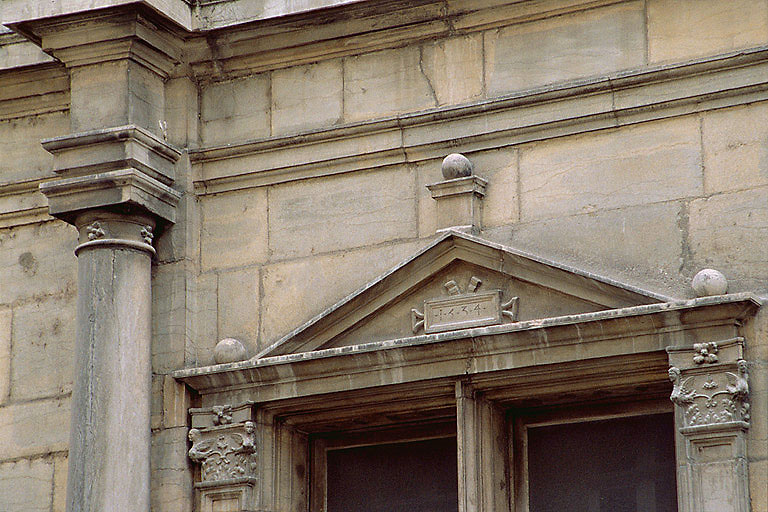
[463, 310]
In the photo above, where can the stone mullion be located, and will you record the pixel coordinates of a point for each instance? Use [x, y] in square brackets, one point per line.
[482, 453]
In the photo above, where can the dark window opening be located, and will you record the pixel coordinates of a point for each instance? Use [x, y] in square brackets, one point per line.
[617, 465]
[417, 476]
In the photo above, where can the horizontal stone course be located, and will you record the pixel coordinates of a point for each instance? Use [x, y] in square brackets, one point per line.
[25, 485]
[34, 428]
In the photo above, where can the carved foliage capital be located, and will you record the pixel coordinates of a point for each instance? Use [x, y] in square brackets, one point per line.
[226, 452]
[716, 396]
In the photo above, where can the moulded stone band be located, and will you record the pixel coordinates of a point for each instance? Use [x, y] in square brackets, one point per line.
[132, 244]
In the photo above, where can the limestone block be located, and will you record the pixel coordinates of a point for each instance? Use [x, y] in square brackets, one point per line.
[169, 316]
[500, 205]
[25, 485]
[202, 320]
[647, 163]
[757, 436]
[235, 110]
[171, 482]
[730, 232]
[643, 241]
[23, 156]
[455, 68]
[238, 294]
[294, 291]
[683, 29]
[758, 484]
[592, 42]
[181, 113]
[307, 97]
[60, 483]
[34, 428]
[136, 97]
[37, 260]
[340, 212]
[385, 83]
[6, 316]
[42, 358]
[234, 228]
[735, 149]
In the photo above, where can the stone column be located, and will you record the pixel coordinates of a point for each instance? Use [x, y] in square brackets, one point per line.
[110, 434]
[115, 182]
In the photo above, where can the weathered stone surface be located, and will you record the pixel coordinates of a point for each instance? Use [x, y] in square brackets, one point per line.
[591, 42]
[455, 68]
[181, 113]
[340, 212]
[730, 232]
[236, 110]
[43, 341]
[25, 485]
[136, 96]
[735, 152]
[6, 315]
[23, 156]
[384, 83]
[645, 242]
[37, 260]
[60, 483]
[229, 350]
[709, 282]
[234, 228]
[171, 475]
[682, 29]
[238, 305]
[758, 484]
[34, 428]
[639, 164]
[307, 97]
[297, 290]
[170, 315]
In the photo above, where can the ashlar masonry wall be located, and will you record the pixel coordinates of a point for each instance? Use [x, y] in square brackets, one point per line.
[303, 177]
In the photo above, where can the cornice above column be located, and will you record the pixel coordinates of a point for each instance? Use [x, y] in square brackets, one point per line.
[124, 190]
[130, 32]
[98, 151]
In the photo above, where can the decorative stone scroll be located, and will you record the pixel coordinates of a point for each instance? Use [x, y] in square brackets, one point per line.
[224, 444]
[710, 390]
[463, 310]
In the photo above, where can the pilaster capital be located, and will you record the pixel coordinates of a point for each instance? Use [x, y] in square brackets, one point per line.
[97, 228]
[227, 451]
[710, 385]
[128, 31]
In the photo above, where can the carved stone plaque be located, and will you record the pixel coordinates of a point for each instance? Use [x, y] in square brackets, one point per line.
[462, 311]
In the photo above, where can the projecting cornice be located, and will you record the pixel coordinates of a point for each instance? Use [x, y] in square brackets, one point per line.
[557, 110]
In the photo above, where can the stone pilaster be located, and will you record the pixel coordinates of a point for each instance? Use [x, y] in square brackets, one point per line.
[224, 444]
[116, 175]
[711, 396]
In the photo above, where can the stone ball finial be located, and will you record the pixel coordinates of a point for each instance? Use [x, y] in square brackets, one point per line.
[229, 350]
[456, 165]
[709, 282]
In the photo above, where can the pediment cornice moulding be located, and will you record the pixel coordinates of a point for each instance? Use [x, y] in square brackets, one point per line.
[616, 332]
[562, 109]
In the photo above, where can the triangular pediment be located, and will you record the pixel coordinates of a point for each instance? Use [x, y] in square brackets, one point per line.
[458, 282]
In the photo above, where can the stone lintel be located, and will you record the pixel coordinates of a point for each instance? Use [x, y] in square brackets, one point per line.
[99, 151]
[459, 203]
[124, 190]
[132, 31]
